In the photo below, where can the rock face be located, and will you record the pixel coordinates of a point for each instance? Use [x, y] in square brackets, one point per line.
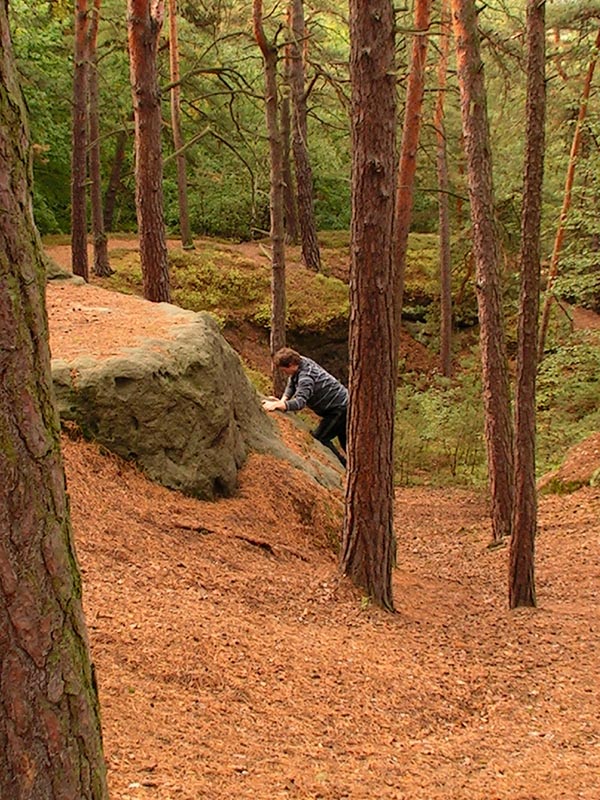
[181, 407]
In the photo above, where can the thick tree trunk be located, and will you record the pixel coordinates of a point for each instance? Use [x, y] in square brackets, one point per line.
[368, 543]
[496, 396]
[278, 299]
[50, 740]
[289, 193]
[114, 181]
[101, 266]
[566, 205]
[443, 205]
[522, 549]
[144, 23]
[304, 177]
[182, 193]
[408, 150]
[79, 253]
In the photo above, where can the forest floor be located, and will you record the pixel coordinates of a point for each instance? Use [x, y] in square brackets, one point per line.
[233, 662]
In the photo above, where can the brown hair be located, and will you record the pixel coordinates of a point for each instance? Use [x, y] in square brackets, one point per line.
[286, 357]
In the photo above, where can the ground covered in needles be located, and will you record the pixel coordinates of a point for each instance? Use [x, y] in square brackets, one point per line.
[233, 662]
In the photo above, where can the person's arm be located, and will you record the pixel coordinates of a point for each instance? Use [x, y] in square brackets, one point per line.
[303, 393]
[276, 403]
[273, 404]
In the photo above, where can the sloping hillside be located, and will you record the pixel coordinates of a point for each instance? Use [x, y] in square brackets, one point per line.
[233, 662]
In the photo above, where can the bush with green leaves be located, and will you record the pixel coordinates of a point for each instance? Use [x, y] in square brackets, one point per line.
[439, 431]
[568, 392]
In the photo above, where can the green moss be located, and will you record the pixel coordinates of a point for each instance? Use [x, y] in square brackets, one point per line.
[561, 487]
[315, 301]
[262, 383]
[233, 288]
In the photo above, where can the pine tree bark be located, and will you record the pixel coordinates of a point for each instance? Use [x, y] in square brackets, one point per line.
[368, 543]
[144, 23]
[289, 193]
[101, 266]
[566, 204]
[522, 548]
[50, 740]
[114, 181]
[311, 255]
[410, 143]
[278, 298]
[496, 396]
[79, 252]
[443, 205]
[182, 193]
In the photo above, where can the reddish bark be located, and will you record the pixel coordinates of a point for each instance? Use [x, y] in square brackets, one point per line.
[408, 150]
[289, 194]
[101, 263]
[144, 23]
[304, 177]
[496, 397]
[278, 298]
[566, 205]
[522, 549]
[50, 740]
[182, 194]
[443, 205]
[368, 544]
[114, 181]
[557, 59]
[79, 253]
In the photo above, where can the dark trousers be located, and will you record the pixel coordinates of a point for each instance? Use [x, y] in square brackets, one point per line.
[333, 426]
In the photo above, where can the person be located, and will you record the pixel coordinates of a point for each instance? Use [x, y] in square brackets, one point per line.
[312, 386]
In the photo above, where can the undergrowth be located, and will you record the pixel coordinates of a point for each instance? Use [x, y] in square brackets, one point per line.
[212, 278]
[439, 422]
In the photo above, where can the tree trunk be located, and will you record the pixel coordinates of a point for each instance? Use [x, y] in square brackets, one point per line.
[408, 149]
[566, 205]
[522, 576]
[182, 194]
[289, 194]
[79, 253]
[144, 23]
[368, 543]
[278, 300]
[557, 58]
[101, 264]
[496, 397]
[443, 205]
[304, 177]
[50, 740]
[114, 181]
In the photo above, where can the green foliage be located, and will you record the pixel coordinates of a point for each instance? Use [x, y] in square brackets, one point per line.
[315, 302]
[568, 393]
[439, 431]
[232, 286]
[215, 279]
[39, 40]
[580, 282]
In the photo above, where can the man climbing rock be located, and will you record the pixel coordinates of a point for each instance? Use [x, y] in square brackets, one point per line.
[312, 386]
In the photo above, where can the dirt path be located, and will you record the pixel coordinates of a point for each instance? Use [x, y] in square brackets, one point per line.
[584, 319]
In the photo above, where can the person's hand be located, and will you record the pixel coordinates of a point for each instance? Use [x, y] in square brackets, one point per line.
[273, 404]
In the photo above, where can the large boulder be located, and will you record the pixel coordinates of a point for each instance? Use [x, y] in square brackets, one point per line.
[180, 406]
